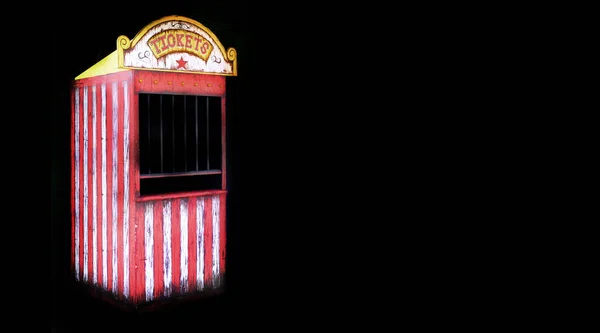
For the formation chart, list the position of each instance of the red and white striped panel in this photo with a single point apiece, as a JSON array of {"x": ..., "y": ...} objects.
[
  {"x": 101, "y": 189},
  {"x": 183, "y": 247},
  {"x": 137, "y": 250}
]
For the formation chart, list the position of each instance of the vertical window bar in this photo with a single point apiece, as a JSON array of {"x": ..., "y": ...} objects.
[
  {"x": 207, "y": 142},
  {"x": 184, "y": 134},
  {"x": 149, "y": 158},
  {"x": 196, "y": 119},
  {"x": 161, "y": 134},
  {"x": 173, "y": 128}
]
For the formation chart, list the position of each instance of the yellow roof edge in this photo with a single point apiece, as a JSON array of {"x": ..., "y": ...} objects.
[{"x": 110, "y": 64}]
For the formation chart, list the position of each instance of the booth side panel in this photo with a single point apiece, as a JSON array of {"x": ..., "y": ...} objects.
[{"x": 101, "y": 200}]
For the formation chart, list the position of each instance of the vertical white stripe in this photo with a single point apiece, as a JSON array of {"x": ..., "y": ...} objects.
[
  {"x": 215, "y": 240},
  {"x": 167, "y": 247},
  {"x": 126, "y": 192},
  {"x": 76, "y": 119},
  {"x": 85, "y": 183},
  {"x": 115, "y": 183},
  {"x": 149, "y": 253},
  {"x": 184, "y": 244},
  {"x": 104, "y": 209},
  {"x": 200, "y": 245},
  {"x": 94, "y": 192}
]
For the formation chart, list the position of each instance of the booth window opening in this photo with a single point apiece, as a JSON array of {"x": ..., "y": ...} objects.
[{"x": 180, "y": 143}]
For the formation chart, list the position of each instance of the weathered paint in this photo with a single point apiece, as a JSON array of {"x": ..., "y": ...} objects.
[
  {"x": 149, "y": 254},
  {"x": 141, "y": 247},
  {"x": 94, "y": 191},
  {"x": 126, "y": 235},
  {"x": 200, "y": 248},
  {"x": 215, "y": 240},
  {"x": 115, "y": 183},
  {"x": 167, "y": 232},
  {"x": 85, "y": 184},
  {"x": 176, "y": 241},
  {"x": 76, "y": 175},
  {"x": 109, "y": 193},
  {"x": 184, "y": 245},
  {"x": 98, "y": 187},
  {"x": 104, "y": 199},
  {"x": 184, "y": 50},
  {"x": 176, "y": 43},
  {"x": 103, "y": 222},
  {"x": 158, "y": 248},
  {"x": 191, "y": 244}
]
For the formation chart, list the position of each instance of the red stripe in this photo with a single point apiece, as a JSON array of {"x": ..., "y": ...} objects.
[
  {"x": 109, "y": 160},
  {"x": 73, "y": 120},
  {"x": 82, "y": 265},
  {"x": 158, "y": 249},
  {"x": 134, "y": 190},
  {"x": 208, "y": 241},
  {"x": 192, "y": 241},
  {"x": 223, "y": 159},
  {"x": 120, "y": 179},
  {"x": 134, "y": 158},
  {"x": 222, "y": 233},
  {"x": 99, "y": 182},
  {"x": 90, "y": 186},
  {"x": 175, "y": 244}
]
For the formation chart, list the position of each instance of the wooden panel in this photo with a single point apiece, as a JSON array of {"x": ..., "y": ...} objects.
[{"x": 179, "y": 83}]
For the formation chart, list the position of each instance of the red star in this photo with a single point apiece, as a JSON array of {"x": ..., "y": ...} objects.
[{"x": 181, "y": 63}]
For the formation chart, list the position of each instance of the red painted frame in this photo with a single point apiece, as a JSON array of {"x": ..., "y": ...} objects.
[{"x": 180, "y": 84}]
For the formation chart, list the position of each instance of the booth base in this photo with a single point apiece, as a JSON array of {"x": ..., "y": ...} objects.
[{"x": 148, "y": 306}]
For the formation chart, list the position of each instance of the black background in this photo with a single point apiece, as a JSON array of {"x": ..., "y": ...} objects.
[
  {"x": 279, "y": 148},
  {"x": 338, "y": 145}
]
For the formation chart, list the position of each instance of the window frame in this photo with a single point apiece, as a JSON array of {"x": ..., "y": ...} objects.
[{"x": 149, "y": 82}]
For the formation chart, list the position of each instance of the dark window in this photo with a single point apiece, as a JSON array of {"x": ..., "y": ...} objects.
[{"x": 180, "y": 143}]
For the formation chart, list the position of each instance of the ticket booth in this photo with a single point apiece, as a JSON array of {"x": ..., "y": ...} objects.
[{"x": 149, "y": 187}]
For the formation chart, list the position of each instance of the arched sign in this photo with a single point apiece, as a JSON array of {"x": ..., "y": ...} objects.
[{"x": 178, "y": 44}]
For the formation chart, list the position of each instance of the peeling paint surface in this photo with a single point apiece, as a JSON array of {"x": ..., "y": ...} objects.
[
  {"x": 104, "y": 199},
  {"x": 77, "y": 157},
  {"x": 168, "y": 281},
  {"x": 85, "y": 183},
  {"x": 149, "y": 250},
  {"x": 215, "y": 240},
  {"x": 184, "y": 242},
  {"x": 94, "y": 192},
  {"x": 137, "y": 249},
  {"x": 200, "y": 247},
  {"x": 167, "y": 236},
  {"x": 115, "y": 185},
  {"x": 125, "y": 191}
]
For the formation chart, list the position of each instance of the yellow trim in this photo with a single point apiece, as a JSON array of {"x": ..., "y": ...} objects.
[
  {"x": 105, "y": 66},
  {"x": 124, "y": 43}
]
